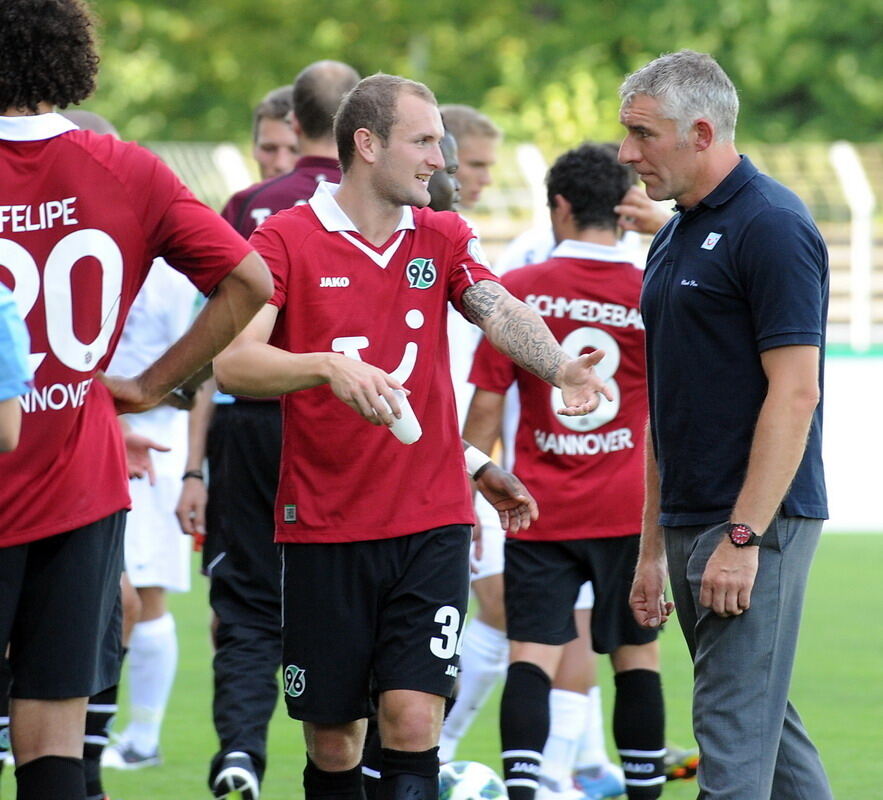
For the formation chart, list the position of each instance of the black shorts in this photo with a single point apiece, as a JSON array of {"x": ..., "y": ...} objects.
[
  {"x": 371, "y": 616},
  {"x": 543, "y": 579},
  {"x": 60, "y": 611}
]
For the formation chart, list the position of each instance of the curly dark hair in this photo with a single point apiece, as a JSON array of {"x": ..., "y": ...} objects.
[
  {"x": 593, "y": 181},
  {"x": 47, "y": 53}
]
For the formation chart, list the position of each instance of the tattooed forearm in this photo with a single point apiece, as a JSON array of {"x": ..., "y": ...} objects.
[
  {"x": 480, "y": 301},
  {"x": 514, "y": 329}
]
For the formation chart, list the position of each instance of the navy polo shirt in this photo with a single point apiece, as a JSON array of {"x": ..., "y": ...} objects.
[{"x": 743, "y": 271}]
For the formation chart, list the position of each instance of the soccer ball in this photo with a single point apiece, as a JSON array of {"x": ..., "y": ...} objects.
[{"x": 469, "y": 780}]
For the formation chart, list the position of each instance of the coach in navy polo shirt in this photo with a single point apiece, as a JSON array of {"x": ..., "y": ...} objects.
[{"x": 735, "y": 303}]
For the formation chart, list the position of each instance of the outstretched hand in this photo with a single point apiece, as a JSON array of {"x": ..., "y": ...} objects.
[
  {"x": 581, "y": 387},
  {"x": 507, "y": 494}
]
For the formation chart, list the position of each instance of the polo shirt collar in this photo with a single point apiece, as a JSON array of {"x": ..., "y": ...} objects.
[
  {"x": 743, "y": 172},
  {"x": 335, "y": 219},
  {"x": 34, "y": 128},
  {"x": 571, "y": 248}
]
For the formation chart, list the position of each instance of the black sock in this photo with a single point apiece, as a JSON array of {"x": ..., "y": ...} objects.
[
  {"x": 639, "y": 731},
  {"x": 371, "y": 760},
  {"x": 99, "y": 716},
  {"x": 346, "y": 785},
  {"x": 524, "y": 727},
  {"x": 55, "y": 777},
  {"x": 407, "y": 775}
]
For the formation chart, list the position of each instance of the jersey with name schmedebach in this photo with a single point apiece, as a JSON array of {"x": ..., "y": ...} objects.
[
  {"x": 586, "y": 472},
  {"x": 343, "y": 479}
]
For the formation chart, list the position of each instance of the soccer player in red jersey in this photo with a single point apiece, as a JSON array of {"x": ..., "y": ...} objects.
[
  {"x": 82, "y": 218},
  {"x": 243, "y": 439},
  {"x": 586, "y": 473},
  {"x": 375, "y": 533}
]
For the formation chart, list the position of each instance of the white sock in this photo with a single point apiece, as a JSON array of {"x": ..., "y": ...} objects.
[
  {"x": 592, "y": 751},
  {"x": 483, "y": 661},
  {"x": 153, "y": 659},
  {"x": 567, "y": 716}
]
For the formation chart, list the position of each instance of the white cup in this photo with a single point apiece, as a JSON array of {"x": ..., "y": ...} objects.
[{"x": 406, "y": 429}]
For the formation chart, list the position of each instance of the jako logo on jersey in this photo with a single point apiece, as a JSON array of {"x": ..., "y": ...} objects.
[
  {"x": 711, "y": 240},
  {"x": 421, "y": 273},
  {"x": 451, "y": 671},
  {"x": 330, "y": 281},
  {"x": 295, "y": 680}
]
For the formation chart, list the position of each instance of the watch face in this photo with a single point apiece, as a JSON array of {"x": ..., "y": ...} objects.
[{"x": 740, "y": 534}]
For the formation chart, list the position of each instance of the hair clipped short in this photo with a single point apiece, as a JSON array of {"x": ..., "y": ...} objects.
[
  {"x": 688, "y": 86},
  {"x": 371, "y": 104}
]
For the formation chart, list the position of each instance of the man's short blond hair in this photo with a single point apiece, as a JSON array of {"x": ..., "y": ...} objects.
[{"x": 464, "y": 121}]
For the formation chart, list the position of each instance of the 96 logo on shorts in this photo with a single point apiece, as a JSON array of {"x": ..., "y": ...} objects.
[{"x": 295, "y": 680}]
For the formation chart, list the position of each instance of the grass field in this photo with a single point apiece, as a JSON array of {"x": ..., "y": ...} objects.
[{"x": 838, "y": 688}]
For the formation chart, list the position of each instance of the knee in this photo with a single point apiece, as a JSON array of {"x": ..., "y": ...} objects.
[
  {"x": 411, "y": 722},
  {"x": 335, "y": 748}
]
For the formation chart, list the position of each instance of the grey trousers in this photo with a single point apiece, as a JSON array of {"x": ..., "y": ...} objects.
[{"x": 753, "y": 744}]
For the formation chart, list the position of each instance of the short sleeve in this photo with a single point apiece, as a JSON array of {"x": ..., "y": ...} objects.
[
  {"x": 491, "y": 370},
  {"x": 784, "y": 271},
  {"x": 15, "y": 345},
  {"x": 468, "y": 263},
  {"x": 180, "y": 228},
  {"x": 271, "y": 246}
]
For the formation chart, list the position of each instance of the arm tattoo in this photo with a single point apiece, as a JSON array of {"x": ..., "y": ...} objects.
[{"x": 514, "y": 329}]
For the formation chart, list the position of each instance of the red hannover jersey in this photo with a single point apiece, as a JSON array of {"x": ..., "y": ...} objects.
[
  {"x": 249, "y": 207},
  {"x": 343, "y": 479},
  {"x": 82, "y": 217},
  {"x": 586, "y": 473}
]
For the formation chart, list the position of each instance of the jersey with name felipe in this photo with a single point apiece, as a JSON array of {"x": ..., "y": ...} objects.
[
  {"x": 249, "y": 207},
  {"x": 586, "y": 473},
  {"x": 343, "y": 479},
  {"x": 82, "y": 217}
]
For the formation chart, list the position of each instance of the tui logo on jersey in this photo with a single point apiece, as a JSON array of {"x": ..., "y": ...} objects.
[
  {"x": 421, "y": 273},
  {"x": 295, "y": 680}
]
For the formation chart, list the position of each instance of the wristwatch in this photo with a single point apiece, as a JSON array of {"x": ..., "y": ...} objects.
[{"x": 741, "y": 535}]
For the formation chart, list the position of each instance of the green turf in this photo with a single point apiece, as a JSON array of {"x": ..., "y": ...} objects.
[{"x": 838, "y": 687}]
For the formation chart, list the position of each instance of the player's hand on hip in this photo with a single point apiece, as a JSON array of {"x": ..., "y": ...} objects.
[
  {"x": 130, "y": 395},
  {"x": 581, "y": 387},
  {"x": 364, "y": 388},
  {"x": 729, "y": 578},
  {"x": 507, "y": 494}
]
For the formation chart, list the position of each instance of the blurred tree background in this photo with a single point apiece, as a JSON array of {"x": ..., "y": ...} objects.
[{"x": 547, "y": 71}]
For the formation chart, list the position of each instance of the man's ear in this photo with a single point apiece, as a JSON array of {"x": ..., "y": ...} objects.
[
  {"x": 561, "y": 206},
  {"x": 703, "y": 132},
  {"x": 367, "y": 145},
  {"x": 296, "y": 126}
]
